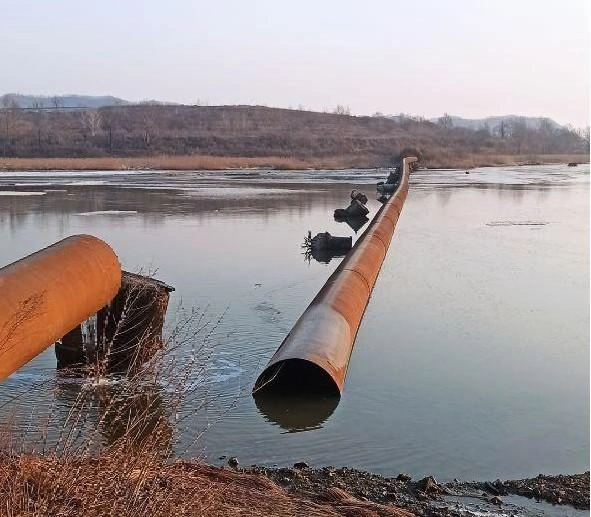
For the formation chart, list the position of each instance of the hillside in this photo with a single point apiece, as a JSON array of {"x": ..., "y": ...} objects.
[
  {"x": 257, "y": 131},
  {"x": 494, "y": 122},
  {"x": 60, "y": 101}
]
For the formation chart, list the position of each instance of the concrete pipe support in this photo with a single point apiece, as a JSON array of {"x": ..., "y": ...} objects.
[
  {"x": 314, "y": 356},
  {"x": 47, "y": 294}
]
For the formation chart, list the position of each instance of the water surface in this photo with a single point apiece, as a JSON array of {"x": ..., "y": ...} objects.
[{"x": 471, "y": 361}]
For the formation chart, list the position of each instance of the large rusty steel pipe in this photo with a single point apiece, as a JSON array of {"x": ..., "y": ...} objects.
[
  {"x": 315, "y": 354},
  {"x": 45, "y": 295}
]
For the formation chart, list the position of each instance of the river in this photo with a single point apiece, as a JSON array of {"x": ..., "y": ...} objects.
[{"x": 472, "y": 360}]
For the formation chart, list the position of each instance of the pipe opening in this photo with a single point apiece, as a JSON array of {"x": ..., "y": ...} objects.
[
  {"x": 296, "y": 413},
  {"x": 296, "y": 376}
]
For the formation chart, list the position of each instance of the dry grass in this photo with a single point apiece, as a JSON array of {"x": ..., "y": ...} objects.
[
  {"x": 441, "y": 159},
  {"x": 116, "y": 428},
  {"x": 120, "y": 484},
  {"x": 180, "y": 163}
]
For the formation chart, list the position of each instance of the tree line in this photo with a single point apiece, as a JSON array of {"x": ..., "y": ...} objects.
[{"x": 251, "y": 131}]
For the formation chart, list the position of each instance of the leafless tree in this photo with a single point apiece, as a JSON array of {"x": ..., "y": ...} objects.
[
  {"x": 92, "y": 121},
  {"x": 9, "y": 102},
  {"x": 342, "y": 110},
  {"x": 501, "y": 129},
  {"x": 519, "y": 133},
  {"x": 545, "y": 126},
  {"x": 150, "y": 127},
  {"x": 545, "y": 132},
  {"x": 57, "y": 102},
  {"x": 37, "y": 105},
  {"x": 583, "y": 134},
  {"x": 10, "y": 115},
  {"x": 446, "y": 121}
]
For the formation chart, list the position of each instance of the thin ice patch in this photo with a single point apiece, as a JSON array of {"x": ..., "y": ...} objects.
[
  {"x": 108, "y": 212},
  {"x": 20, "y": 193},
  {"x": 517, "y": 223}
]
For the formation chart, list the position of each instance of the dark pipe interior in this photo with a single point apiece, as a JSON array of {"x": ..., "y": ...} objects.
[
  {"x": 296, "y": 413},
  {"x": 296, "y": 376}
]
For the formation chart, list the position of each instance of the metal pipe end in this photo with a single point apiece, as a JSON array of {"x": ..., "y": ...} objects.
[{"x": 290, "y": 376}]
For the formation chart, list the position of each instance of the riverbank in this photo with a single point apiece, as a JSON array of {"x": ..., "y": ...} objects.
[
  {"x": 205, "y": 162},
  {"x": 124, "y": 484},
  {"x": 428, "y": 497}
]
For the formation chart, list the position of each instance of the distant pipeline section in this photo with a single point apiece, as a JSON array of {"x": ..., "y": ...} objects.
[
  {"x": 45, "y": 295},
  {"x": 314, "y": 357}
]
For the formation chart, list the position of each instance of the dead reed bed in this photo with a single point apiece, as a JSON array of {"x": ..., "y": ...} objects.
[
  {"x": 439, "y": 159},
  {"x": 175, "y": 163}
]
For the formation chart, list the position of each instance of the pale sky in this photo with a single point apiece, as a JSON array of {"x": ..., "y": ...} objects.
[{"x": 471, "y": 58}]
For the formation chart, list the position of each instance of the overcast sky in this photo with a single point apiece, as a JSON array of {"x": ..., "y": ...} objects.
[{"x": 471, "y": 58}]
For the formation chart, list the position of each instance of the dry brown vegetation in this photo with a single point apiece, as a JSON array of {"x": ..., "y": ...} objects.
[
  {"x": 177, "y": 163},
  {"x": 120, "y": 484},
  {"x": 199, "y": 162},
  {"x": 204, "y": 137}
]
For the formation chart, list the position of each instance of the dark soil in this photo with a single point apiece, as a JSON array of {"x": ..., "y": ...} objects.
[
  {"x": 426, "y": 496},
  {"x": 559, "y": 490}
]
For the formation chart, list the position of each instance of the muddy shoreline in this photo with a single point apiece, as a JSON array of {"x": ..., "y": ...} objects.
[
  {"x": 124, "y": 483},
  {"x": 427, "y": 496}
]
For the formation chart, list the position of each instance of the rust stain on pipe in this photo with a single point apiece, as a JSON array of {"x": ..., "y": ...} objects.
[
  {"x": 45, "y": 295},
  {"x": 315, "y": 354}
]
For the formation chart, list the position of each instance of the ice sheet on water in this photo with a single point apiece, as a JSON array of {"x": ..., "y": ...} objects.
[
  {"x": 86, "y": 183},
  {"x": 513, "y": 505},
  {"x": 523, "y": 175},
  {"x": 21, "y": 193},
  {"x": 108, "y": 212},
  {"x": 517, "y": 223}
]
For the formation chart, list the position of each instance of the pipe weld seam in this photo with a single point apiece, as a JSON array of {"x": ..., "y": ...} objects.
[
  {"x": 362, "y": 277},
  {"x": 386, "y": 246},
  {"x": 390, "y": 218}
]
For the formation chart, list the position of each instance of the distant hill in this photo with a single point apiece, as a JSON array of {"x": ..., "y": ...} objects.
[
  {"x": 151, "y": 129},
  {"x": 101, "y": 101},
  {"x": 492, "y": 122},
  {"x": 61, "y": 101}
]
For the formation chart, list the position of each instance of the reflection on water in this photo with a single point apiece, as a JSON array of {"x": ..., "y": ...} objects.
[
  {"x": 296, "y": 413},
  {"x": 355, "y": 223},
  {"x": 113, "y": 408},
  {"x": 471, "y": 360},
  {"x": 324, "y": 255}
]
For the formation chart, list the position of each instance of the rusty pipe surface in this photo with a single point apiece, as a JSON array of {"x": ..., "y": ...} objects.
[
  {"x": 45, "y": 295},
  {"x": 315, "y": 354}
]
